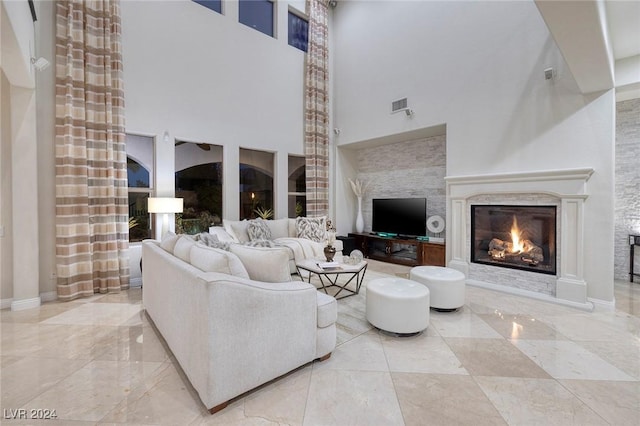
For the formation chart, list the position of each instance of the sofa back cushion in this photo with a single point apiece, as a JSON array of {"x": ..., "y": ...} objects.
[
  {"x": 169, "y": 240},
  {"x": 258, "y": 230},
  {"x": 237, "y": 229},
  {"x": 211, "y": 259},
  {"x": 312, "y": 228},
  {"x": 182, "y": 249},
  {"x": 220, "y": 233},
  {"x": 279, "y": 228},
  {"x": 264, "y": 264}
]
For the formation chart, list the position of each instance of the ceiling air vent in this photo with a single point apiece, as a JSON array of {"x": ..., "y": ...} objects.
[{"x": 399, "y": 105}]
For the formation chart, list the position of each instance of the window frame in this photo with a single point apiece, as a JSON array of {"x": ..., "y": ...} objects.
[
  {"x": 150, "y": 191},
  {"x": 203, "y": 3},
  {"x": 274, "y": 16},
  {"x": 295, "y": 194},
  {"x": 292, "y": 11}
]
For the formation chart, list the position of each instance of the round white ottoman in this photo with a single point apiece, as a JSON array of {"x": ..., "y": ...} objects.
[
  {"x": 398, "y": 305},
  {"x": 446, "y": 286}
]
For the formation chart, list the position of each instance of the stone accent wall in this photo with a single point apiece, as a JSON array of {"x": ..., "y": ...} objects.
[
  {"x": 403, "y": 170},
  {"x": 524, "y": 280},
  {"x": 627, "y": 178}
]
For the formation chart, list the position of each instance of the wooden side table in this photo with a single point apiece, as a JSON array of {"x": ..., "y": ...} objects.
[{"x": 634, "y": 240}]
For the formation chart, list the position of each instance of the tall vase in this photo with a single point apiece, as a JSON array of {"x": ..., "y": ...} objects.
[{"x": 359, "y": 218}]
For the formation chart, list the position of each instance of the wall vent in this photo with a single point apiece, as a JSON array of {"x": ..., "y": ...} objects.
[{"x": 399, "y": 105}]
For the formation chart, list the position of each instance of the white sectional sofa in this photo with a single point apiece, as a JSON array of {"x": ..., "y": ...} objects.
[
  {"x": 228, "y": 332},
  {"x": 305, "y": 237}
]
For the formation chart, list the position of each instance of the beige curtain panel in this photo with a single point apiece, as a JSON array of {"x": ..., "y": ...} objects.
[
  {"x": 92, "y": 231},
  {"x": 317, "y": 110}
]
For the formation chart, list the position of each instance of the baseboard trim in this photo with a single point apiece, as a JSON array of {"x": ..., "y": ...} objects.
[
  {"x": 20, "y": 305},
  {"x": 604, "y": 305},
  {"x": 49, "y": 296},
  {"x": 5, "y": 303}
]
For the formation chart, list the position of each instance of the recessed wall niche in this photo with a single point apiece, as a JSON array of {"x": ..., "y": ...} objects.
[{"x": 414, "y": 168}]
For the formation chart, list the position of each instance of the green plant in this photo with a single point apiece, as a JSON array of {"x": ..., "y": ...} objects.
[
  {"x": 299, "y": 208},
  {"x": 133, "y": 222},
  {"x": 264, "y": 213}
]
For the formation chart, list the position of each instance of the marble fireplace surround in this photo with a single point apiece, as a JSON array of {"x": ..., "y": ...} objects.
[{"x": 568, "y": 186}]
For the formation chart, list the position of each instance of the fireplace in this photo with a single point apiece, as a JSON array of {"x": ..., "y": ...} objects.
[
  {"x": 565, "y": 189},
  {"x": 514, "y": 236}
]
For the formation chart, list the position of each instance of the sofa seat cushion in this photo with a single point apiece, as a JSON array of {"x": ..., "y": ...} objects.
[
  {"x": 210, "y": 259},
  {"x": 266, "y": 264},
  {"x": 327, "y": 310}
]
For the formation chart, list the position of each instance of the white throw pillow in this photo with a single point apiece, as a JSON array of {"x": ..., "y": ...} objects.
[
  {"x": 279, "y": 228},
  {"x": 312, "y": 228},
  {"x": 237, "y": 229},
  {"x": 169, "y": 241},
  {"x": 264, "y": 264},
  {"x": 182, "y": 248},
  {"x": 208, "y": 259},
  {"x": 221, "y": 233},
  {"x": 234, "y": 265}
]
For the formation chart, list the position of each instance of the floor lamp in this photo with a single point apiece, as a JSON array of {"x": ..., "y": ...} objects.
[{"x": 164, "y": 206}]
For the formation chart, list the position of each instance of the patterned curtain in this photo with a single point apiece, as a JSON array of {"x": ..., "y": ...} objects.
[
  {"x": 317, "y": 110},
  {"x": 92, "y": 233}
]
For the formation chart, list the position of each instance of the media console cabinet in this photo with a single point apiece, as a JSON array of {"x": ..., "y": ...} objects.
[{"x": 408, "y": 252}]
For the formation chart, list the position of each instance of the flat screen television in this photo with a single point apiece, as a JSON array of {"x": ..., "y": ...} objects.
[{"x": 406, "y": 217}]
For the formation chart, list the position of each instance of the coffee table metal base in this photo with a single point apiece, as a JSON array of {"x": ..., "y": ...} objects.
[{"x": 329, "y": 279}]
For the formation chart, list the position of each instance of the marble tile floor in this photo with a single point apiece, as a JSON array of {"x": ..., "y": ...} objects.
[{"x": 499, "y": 360}]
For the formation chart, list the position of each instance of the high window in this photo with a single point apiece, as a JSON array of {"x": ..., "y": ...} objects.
[
  {"x": 215, "y": 5},
  {"x": 297, "y": 187},
  {"x": 256, "y": 184},
  {"x": 298, "y": 32},
  {"x": 258, "y": 14},
  {"x": 140, "y": 176},
  {"x": 198, "y": 181}
]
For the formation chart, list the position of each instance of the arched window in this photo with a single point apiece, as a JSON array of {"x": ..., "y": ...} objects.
[
  {"x": 198, "y": 181},
  {"x": 140, "y": 176}
]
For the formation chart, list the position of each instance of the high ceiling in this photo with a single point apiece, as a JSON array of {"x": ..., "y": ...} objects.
[
  {"x": 623, "y": 20},
  {"x": 600, "y": 41}
]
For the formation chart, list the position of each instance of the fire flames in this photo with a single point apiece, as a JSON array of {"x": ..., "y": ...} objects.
[
  {"x": 518, "y": 249},
  {"x": 517, "y": 245}
]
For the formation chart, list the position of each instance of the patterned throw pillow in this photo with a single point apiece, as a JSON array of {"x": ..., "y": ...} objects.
[
  {"x": 312, "y": 228},
  {"x": 212, "y": 241},
  {"x": 258, "y": 230}
]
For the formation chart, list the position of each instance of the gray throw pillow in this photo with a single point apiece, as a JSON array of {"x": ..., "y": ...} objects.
[
  {"x": 211, "y": 240},
  {"x": 258, "y": 230}
]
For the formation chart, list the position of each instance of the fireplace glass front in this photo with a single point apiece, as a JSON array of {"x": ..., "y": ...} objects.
[{"x": 513, "y": 236}]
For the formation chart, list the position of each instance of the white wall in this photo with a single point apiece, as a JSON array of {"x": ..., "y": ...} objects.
[
  {"x": 45, "y": 113},
  {"x": 204, "y": 77},
  {"x": 6, "y": 206},
  {"x": 478, "y": 67}
]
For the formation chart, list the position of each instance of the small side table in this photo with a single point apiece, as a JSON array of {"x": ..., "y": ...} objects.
[{"x": 634, "y": 240}]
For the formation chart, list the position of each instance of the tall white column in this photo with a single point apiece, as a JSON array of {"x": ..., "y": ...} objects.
[
  {"x": 457, "y": 236},
  {"x": 24, "y": 188},
  {"x": 571, "y": 284}
]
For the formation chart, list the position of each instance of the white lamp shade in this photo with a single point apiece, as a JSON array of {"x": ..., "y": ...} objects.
[{"x": 164, "y": 205}]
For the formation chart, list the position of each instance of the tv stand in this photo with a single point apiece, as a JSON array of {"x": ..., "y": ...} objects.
[{"x": 410, "y": 251}]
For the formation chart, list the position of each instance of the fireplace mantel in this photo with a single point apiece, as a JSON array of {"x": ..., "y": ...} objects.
[{"x": 568, "y": 185}]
